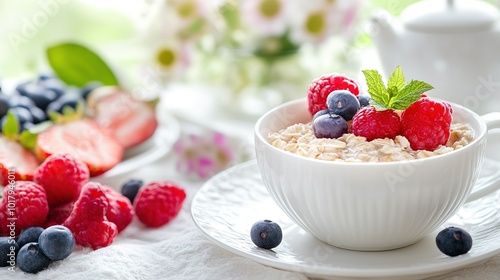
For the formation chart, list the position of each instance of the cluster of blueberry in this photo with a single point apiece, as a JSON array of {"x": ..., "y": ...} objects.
[
  {"x": 342, "y": 106},
  {"x": 36, "y": 248},
  {"x": 31, "y": 101}
]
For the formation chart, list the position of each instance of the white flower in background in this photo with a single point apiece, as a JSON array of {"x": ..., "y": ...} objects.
[
  {"x": 265, "y": 17},
  {"x": 163, "y": 62},
  {"x": 172, "y": 57},
  {"x": 317, "y": 20},
  {"x": 176, "y": 19}
]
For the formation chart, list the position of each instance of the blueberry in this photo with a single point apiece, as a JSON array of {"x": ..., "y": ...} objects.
[
  {"x": 4, "y": 105},
  {"x": 40, "y": 96},
  {"x": 453, "y": 241},
  {"x": 31, "y": 259},
  {"x": 8, "y": 251},
  {"x": 26, "y": 126},
  {"x": 38, "y": 115},
  {"x": 329, "y": 126},
  {"x": 130, "y": 188},
  {"x": 46, "y": 76},
  {"x": 21, "y": 87},
  {"x": 320, "y": 113},
  {"x": 88, "y": 88},
  {"x": 29, "y": 235},
  {"x": 57, "y": 242},
  {"x": 22, "y": 114},
  {"x": 68, "y": 99},
  {"x": 364, "y": 100},
  {"x": 266, "y": 234},
  {"x": 53, "y": 84},
  {"x": 20, "y": 101},
  {"x": 343, "y": 103}
]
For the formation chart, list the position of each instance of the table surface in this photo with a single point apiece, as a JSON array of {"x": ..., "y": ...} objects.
[{"x": 179, "y": 250}]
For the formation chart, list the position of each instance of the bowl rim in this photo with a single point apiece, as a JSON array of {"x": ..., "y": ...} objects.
[{"x": 477, "y": 138}]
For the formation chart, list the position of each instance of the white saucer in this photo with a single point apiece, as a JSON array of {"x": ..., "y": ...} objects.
[
  {"x": 157, "y": 146},
  {"x": 229, "y": 203}
]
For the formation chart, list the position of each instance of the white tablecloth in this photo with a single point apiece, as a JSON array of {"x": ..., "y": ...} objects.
[{"x": 180, "y": 251}]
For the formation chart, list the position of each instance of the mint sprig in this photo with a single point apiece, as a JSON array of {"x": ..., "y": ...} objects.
[{"x": 397, "y": 95}]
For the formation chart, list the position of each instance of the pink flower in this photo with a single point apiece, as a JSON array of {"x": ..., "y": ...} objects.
[{"x": 203, "y": 155}]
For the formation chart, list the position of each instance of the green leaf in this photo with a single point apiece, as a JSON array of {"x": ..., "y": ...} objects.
[
  {"x": 29, "y": 136},
  {"x": 28, "y": 139},
  {"x": 397, "y": 79},
  {"x": 409, "y": 94},
  {"x": 77, "y": 65},
  {"x": 393, "y": 92},
  {"x": 376, "y": 87},
  {"x": 11, "y": 126}
]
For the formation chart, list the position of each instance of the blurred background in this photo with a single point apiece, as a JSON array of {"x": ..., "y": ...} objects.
[
  {"x": 245, "y": 55},
  {"x": 220, "y": 43}
]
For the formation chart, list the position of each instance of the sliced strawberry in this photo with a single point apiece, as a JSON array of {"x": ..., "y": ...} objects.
[
  {"x": 83, "y": 139},
  {"x": 21, "y": 161},
  {"x": 130, "y": 120}
]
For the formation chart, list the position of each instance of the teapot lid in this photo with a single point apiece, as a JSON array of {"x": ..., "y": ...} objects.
[{"x": 445, "y": 16}]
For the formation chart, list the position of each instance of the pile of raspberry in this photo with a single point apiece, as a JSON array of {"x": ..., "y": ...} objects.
[
  {"x": 425, "y": 123},
  {"x": 61, "y": 193}
]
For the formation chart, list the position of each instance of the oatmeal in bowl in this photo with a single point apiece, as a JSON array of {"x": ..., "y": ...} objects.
[
  {"x": 362, "y": 185},
  {"x": 300, "y": 139}
]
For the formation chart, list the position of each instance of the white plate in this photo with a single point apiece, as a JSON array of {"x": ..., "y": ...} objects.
[
  {"x": 157, "y": 146},
  {"x": 230, "y": 202}
]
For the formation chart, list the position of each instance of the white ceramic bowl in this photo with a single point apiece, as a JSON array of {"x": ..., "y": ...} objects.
[{"x": 368, "y": 206}]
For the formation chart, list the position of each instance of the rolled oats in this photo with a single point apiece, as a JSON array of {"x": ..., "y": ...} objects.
[{"x": 299, "y": 139}]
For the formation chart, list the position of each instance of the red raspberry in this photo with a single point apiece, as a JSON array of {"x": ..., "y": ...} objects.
[
  {"x": 62, "y": 176},
  {"x": 121, "y": 211},
  {"x": 426, "y": 123},
  {"x": 59, "y": 214},
  {"x": 88, "y": 220},
  {"x": 372, "y": 124},
  {"x": 320, "y": 88},
  {"x": 25, "y": 201},
  {"x": 4, "y": 231},
  {"x": 158, "y": 203}
]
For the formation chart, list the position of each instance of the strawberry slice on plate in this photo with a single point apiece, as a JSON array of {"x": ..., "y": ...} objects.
[
  {"x": 85, "y": 140},
  {"x": 131, "y": 121},
  {"x": 14, "y": 157}
]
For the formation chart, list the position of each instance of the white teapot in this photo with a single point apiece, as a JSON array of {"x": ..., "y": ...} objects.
[{"x": 452, "y": 44}]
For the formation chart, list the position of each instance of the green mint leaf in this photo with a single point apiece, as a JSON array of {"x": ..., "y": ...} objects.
[
  {"x": 11, "y": 126},
  {"x": 376, "y": 87},
  {"x": 77, "y": 65},
  {"x": 397, "y": 79},
  {"x": 393, "y": 92},
  {"x": 409, "y": 94}
]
